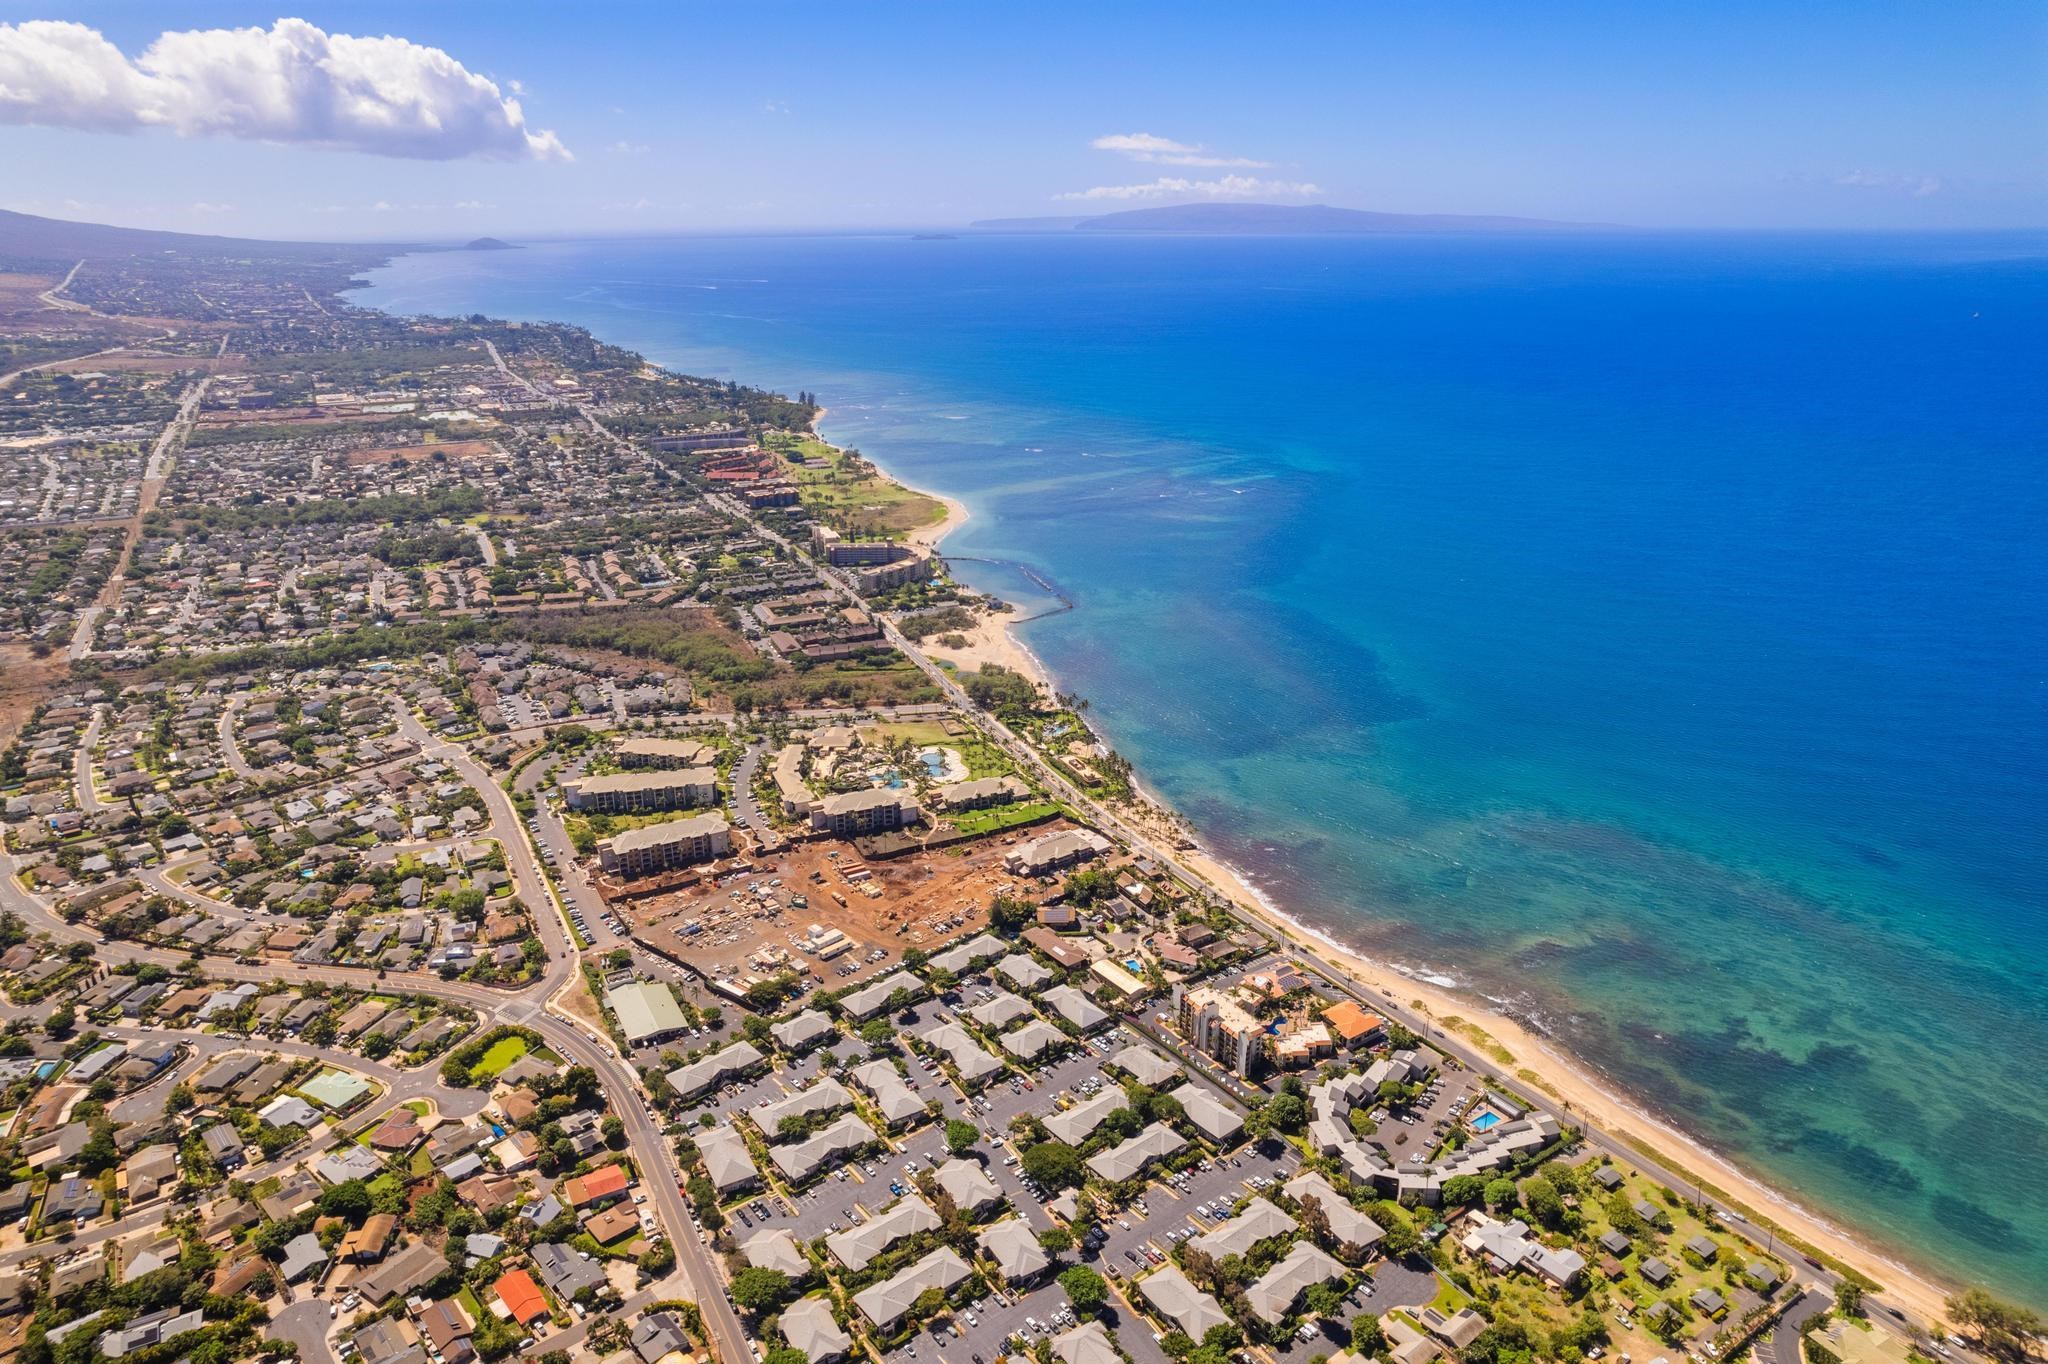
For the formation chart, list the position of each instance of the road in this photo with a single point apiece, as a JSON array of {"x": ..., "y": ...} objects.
[
  {"x": 154, "y": 476},
  {"x": 697, "y": 1276},
  {"x": 1141, "y": 844},
  {"x": 81, "y": 764}
]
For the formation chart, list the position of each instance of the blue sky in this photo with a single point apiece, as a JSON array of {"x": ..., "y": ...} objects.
[{"x": 648, "y": 118}]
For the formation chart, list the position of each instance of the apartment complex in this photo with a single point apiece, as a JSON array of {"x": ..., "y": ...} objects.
[
  {"x": 666, "y": 846},
  {"x": 627, "y": 793},
  {"x": 1219, "y": 1026},
  {"x": 865, "y": 812}
]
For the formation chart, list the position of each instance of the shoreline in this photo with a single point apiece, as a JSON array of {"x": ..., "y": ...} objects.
[{"x": 1592, "y": 1100}]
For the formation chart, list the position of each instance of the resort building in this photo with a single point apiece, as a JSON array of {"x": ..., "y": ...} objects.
[
  {"x": 1056, "y": 852},
  {"x": 628, "y": 793},
  {"x": 854, "y": 813},
  {"x": 664, "y": 847},
  {"x": 980, "y": 793},
  {"x": 646, "y": 752}
]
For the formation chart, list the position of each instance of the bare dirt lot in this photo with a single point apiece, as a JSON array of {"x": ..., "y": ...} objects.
[{"x": 741, "y": 925}]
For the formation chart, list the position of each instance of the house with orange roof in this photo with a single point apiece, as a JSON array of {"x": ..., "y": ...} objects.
[
  {"x": 601, "y": 1185},
  {"x": 521, "y": 1296}
]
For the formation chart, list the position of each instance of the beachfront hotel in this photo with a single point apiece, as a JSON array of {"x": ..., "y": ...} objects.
[{"x": 1219, "y": 1026}]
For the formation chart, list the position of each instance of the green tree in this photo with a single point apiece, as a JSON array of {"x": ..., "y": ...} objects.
[
  {"x": 2005, "y": 1331},
  {"x": 759, "y": 1290},
  {"x": 1543, "y": 1201},
  {"x": 1500, "y": 1194},
  {"x": 1053, "y": 1164},
  {"x": 961, "y": 1136},
  {"x": 1085, "y": 1289}
]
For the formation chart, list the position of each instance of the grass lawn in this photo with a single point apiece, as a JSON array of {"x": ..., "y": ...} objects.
[
  {"x": 922, "y": 733},
  {"x": 502, "y": 1053},
  {"x": 851, "y": 497},
  {"x": 1449, "y": 1297},
  {"x": 996, "y": 818}
]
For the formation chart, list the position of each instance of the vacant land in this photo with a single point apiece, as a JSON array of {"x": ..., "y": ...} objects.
[{"x": 849, "y": 494}]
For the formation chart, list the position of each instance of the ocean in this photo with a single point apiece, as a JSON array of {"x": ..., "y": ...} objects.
[{"x": 1645, "y": 632}]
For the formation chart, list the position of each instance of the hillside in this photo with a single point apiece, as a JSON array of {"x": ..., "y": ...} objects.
[{"x": 26, "y": 237}]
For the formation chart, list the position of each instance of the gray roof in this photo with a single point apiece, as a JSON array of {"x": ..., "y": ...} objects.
[
  {"x": 1000, "y": 1012},
  {"x": 1087, "y": 1343},
  {"x": 1023, "y": 971},
  {"x": 563, "y": 1270},
  {"x": 302, "y": 1254},
  {"x": 1137, "y": 1155},
  {"x": 806, "y": 1029},
  {"x": 825, "y": 1096},
  {"x": 1033, "y": 1040},
  {"x": 1015, "y": 1249},
  {"x": 1075, "y": 1007},
  {"x": 1147, "y": 1066},
  {"x": 727, "y": 1160},
  {"x": 1258, "y": 1222},
  {"x": 871, "y": 998},
  {"x": 968, "y": 1185},
  {"x": 804, "y": 1159},
  {"x": 1212, "y": 1117},
  {"x": 1273, "y": 1296},
  {"x": 857, "y": 1247},
  {"x": 1074, "y": 1126},
  {"x": 896, "y": 1099},
  {"x": 809, "y": 1326},
  {"x": 1181, "y": 1303},
  {"x": 887, "y": 1302},
  {"x": 708, "y": 1072},
  {"x": 963, "y": 956},
  {"x": 776, "y": 1249},
  {"x": 1347, "y": 1223},
  {"x": 967, "y": 1054}
]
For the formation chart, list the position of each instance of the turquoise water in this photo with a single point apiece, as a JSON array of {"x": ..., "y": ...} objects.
[
  {"x": 1485, "y": 1122},
  {"x": 1644, "y": 633}
]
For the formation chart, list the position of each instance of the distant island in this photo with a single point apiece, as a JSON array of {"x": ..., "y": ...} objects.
[
  {"x": 1280, "y": 219},
  {"x": 489, "y": 244}
]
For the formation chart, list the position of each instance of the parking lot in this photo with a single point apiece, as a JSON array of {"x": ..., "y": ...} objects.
[
  {"x": 1033, "y": 1314},
  {"x": 1138, "y": 1234}
]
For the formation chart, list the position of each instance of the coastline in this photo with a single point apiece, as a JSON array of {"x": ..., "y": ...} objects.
[{"x": 1536, "y": 1060}]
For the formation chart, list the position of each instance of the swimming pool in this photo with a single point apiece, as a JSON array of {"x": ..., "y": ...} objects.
[{"x": 1485, "y": 1122}]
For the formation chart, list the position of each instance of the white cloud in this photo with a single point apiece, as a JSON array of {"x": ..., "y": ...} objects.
[
  {"x": 1919, "y": 186},
  {"x": 1227, "y": 187},
  {"x": 1164, "y": 151},
  {"x": 290, "y": 83},
  {"x": 204, "y": 207}
]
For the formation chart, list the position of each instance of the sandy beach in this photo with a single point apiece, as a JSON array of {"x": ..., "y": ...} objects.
[{"x": 1588, "y": 1100}]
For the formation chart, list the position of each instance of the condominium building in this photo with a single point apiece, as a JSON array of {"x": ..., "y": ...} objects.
[
  {"x": 865, "y": 812},
  {"x": 1219, "y": 1026},
  {"x": 625, "y": 793},
  {"x": 666, "y": 846}
]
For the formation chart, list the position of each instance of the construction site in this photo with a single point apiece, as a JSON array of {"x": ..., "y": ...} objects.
[{"x": 817, "y": 908}]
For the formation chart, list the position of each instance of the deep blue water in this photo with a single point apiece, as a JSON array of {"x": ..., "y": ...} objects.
[{"x": 1645, "y": 631}]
